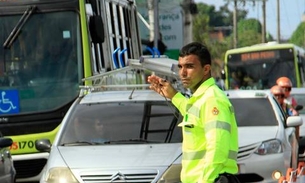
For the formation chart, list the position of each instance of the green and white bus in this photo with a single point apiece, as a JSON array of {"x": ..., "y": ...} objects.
[
  {"x": 259, "y": 66},
  {"x": 47, "y": 47}
]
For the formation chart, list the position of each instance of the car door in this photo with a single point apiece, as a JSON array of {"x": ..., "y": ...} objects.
[{"x": 288, "y": 137}]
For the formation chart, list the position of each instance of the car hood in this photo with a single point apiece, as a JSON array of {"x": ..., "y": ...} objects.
[
  {"x": 251, "y": 135},
  {"x": 109, "y": 156}
]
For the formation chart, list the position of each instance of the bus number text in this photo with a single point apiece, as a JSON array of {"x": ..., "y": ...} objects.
[{"x": 22, "y": 145}]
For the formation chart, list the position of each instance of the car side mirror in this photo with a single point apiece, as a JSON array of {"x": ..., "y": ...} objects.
[{"x": 294, "y": 121}]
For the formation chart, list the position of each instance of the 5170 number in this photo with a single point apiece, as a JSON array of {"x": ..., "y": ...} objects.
[{"x": 22, "y": 145}]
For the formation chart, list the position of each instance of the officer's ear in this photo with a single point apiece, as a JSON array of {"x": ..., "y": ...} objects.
[{"x": 207, "y": 69}]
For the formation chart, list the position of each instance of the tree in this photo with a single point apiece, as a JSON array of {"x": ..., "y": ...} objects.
[
  {"x": 249, "y": 32},
  {"x": 298, "y": 36}
]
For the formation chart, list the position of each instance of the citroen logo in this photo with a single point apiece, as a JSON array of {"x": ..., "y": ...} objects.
[{"x": 118, "y": 176}]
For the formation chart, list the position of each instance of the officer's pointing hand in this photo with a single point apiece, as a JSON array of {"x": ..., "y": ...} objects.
[{"x": 161, "y": 86}]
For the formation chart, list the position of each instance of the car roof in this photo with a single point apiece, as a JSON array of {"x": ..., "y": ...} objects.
[
  {"x": 122, "y": 96},
  {"x": 149, "y": 95},
  {"x": 248, "y": 93}
]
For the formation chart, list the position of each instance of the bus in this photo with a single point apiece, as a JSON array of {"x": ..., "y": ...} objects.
[
  {"x": 259, "y": 66},
  {"x": 47, "y": 47}
]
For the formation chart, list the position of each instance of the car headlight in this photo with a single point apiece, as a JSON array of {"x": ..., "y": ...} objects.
[
  {"x": 60, "y": 175},
  {"x": 269, "y": 147},
  {"x": 171, "y": 175}
]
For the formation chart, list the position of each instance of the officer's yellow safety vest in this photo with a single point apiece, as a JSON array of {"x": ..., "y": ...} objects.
[{"x": 210, "y": 138}]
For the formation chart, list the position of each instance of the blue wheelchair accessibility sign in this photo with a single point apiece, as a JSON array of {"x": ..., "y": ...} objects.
[{"x": 9, "y": 102}]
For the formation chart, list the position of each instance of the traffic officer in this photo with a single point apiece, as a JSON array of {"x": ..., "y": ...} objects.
[{"x": 210, "y": 140}]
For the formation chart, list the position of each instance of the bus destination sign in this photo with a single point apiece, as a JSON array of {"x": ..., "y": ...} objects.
[{"x": 257, "y": 55}]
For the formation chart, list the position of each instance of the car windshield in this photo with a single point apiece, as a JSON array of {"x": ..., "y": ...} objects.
[
  {"x": 130, "y": 122},
  {"x": 248, "y": 112}
]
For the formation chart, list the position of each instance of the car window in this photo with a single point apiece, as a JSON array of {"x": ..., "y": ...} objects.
[
  {"x": 253, "y": 112},
  {"x": 121, "y": 122}
]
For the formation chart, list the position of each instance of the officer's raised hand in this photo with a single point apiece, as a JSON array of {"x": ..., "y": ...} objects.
[{"x": 161, "y": 86}]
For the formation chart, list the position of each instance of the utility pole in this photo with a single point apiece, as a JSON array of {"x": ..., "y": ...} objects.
[
  {"x": 264, "y": 22},
  {"x": 278, "y": 21},
  {"x": 235, "y": 40},
  {"x": 156, "y": 25},
  {"x": 153, "y": 14},
  {"x": 187, "y": 22}
]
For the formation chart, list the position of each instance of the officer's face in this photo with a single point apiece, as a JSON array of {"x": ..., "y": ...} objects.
[{"x": 191, "y": 72}]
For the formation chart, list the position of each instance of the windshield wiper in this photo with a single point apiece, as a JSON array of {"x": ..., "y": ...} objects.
[
  {"x": 15, "y": 32},
  {"x": 80, "y": 143},
  {"x": 130, "y": 141}
]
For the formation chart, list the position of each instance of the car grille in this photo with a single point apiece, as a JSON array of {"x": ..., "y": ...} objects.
[
  {"x": 29, "y": 168},
  {"x": 246, "y": 151},
  {"x": 138, "y": 176}
]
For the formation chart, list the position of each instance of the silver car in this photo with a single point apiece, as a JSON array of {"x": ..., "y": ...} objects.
[
  {"x": 267, "y": 138},
  {"x": 116, "y": 136}
]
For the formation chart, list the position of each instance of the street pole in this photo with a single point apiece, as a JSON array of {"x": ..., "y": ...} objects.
[
  {"x": 278, "y": 21},
  {"x": 151, "y": 19},
  {"x": 187, "y": 22},
  {"x": 235, "y": 24},
  {"x": 264, "y": 22},
  {"x": 156, "y": 25}
]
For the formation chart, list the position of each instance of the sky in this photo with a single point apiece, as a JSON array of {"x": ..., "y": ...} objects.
[{"x": 291, "y": 12}]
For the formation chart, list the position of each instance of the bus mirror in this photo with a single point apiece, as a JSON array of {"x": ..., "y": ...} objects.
[{"x": 96, "y": 29}]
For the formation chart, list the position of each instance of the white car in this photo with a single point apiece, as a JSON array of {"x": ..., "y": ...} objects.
[
  {"x": 138, "y": 139},
  {"x": 267, "y": 139},
  {"x": 116, "y": 136}
]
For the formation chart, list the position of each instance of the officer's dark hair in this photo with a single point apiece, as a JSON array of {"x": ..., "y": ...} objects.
[{"x": 196, "y": 48}]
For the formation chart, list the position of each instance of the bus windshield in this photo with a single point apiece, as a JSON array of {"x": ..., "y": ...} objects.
[
  {"x": 40, "y": 70},
  {"x": 260, "y": 69}
]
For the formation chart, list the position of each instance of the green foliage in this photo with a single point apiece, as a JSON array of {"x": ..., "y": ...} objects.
[
  {"x": 298, "y": 36},
  {"x": 249, "y": 37},
  {"x": 249, "y": 24},
  {"x": 207, "y": 19},
  {"x": 200, "y": 27},
  {"x": 249, "y": 32}
]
